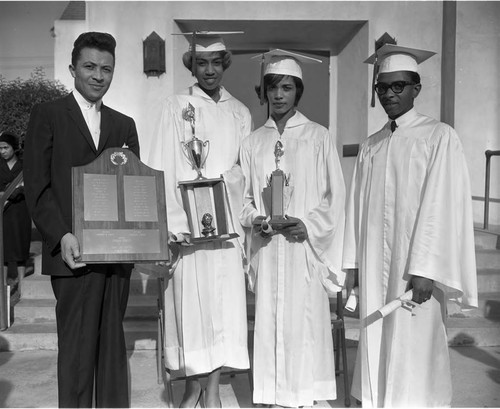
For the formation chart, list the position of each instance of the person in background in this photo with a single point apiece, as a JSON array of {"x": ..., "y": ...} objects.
[
  {"x": 16, "y": 219},
  {"x": 205, "y": 299},
  {"x": 91, "y": 299},
  {"x": 293, "y": 270},
  {"x": 409, "y": 227}
]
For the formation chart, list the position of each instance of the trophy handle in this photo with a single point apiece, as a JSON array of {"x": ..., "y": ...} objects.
[
  {"x": 185, "y": 150},
  {"x": 207, "y": 145}
]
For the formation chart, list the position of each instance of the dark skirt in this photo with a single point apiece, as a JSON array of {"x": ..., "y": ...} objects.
[{"x": 17, "y": 232}]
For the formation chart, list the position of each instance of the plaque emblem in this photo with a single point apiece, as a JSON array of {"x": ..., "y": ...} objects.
[{"x": 118, "y": 158}]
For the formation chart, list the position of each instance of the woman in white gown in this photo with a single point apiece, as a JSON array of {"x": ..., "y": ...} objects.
[
  {"x": 205, "y": 304},
  {"x": 293, "y": 270}
]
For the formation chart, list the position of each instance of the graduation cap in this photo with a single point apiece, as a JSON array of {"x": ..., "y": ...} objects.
[
  {"x": 389, "y": 57},
  {"x": 205, "y": 41},
  {"x": 281, "y": 62}
]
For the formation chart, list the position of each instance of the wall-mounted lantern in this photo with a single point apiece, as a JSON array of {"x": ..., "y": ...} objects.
[{"x": 154, "y": 55}]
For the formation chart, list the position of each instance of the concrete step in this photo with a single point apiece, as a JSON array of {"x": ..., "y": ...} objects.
[
  {"x": 42, "y": 310},
  {"x": 139, "y": 335},
  {"x": 489, "y": 307},
  {"x": 488, "y": 259},
  {"x": 477, "y": 331},
  {"x": 38, "y": 286},
  {"x": 488, "y": 280},
  {"x": 486, "y": 239}
]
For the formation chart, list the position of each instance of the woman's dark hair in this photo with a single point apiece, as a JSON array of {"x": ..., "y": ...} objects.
[
  {"x": 93, "y": 39},
  {"x": 273, "y": 79},
  {"x": 11, "y": 139},
  {"x": 225, "y": 55}
]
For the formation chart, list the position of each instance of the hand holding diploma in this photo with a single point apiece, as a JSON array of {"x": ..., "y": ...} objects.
[{"x": 402, "y": 301}]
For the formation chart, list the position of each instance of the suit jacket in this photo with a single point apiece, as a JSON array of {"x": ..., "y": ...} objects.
[{"x": 58, "y": 139}]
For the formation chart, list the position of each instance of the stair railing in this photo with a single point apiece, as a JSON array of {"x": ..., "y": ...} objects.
[
  {"x": 488, "y": 154},
  {"x": 4, "y": 297}
]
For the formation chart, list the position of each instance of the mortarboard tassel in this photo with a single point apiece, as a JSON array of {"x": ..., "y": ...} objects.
[
  {"x": 262, "y": 90},
  {"x": 193, "y": 53},
  {"x": 375, "y": 73}
]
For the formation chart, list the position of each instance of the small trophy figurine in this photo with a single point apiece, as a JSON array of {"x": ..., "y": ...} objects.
[
  {"x": 195, "y": 150},
  {"x": 278, "y": 192},
  {"x": 206, "y": 221}
]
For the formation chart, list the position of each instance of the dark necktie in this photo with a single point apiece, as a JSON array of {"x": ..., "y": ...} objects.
[{"x": 394, "y": 125}]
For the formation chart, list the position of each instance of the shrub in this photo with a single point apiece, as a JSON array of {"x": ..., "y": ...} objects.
[{"x": 17, "y": 98}]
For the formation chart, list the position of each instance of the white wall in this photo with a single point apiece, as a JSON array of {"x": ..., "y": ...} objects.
[
  {"x": 352, "y": 96},
  {"x": 25, "y": 38},
  {"x": 477, "y": 117},
  {"x": 413, "y": 23}
]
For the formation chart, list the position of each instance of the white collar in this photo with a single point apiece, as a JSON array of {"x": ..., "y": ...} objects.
[
  {"x": 83, "y": 103},
  {"x": 296, "y": 120},
  {"x": 405, "y": 118},
  {"x": 224, "y": 94}
]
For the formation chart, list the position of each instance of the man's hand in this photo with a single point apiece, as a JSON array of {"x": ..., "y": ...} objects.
[
  {"x": 70, "y": 251},
  {"x": 296, "y": 233},
  {"x": 422, "y": 288}
]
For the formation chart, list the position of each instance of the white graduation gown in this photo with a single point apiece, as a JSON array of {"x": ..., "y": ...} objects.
[
  {"x": 293, "y": 351},
  {"x": 205, "y": 301},
  {"x": 409, "y": 213}
]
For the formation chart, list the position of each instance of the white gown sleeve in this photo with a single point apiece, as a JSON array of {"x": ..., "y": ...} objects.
[
  {"x": 166, "y": 154},
  {"x": 325, "y": 222},
  {"x": 443, "y": 245}
]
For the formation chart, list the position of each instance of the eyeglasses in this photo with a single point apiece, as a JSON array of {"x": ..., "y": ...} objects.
[{"x": 397, "y": 87}]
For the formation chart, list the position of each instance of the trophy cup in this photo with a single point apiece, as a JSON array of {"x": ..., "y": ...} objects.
[
  {"x": 195, "y": 150},
  {"x": 203, "y": 199},
  {"x": 277, "y": 194}
]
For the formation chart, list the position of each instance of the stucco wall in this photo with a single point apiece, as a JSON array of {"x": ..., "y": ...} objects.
[
  {"x": 417, "y": 24},
  {"x": 25, "y": 37},
  {"x": 477, "y": 118}
]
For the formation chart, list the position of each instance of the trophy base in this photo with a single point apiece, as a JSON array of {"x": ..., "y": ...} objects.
[
  {"x": 204, "y": 203},
  {"x": 215, "y": 237},
  {"x": 278, "y": 223}
]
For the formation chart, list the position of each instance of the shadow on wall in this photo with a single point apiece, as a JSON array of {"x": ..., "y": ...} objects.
[{"x": 6, "y": 386}]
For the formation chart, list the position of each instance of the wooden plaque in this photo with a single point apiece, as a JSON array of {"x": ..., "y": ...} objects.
[
  {"x": 205, "y": 205},
  {"x": 119, "y": 210}
]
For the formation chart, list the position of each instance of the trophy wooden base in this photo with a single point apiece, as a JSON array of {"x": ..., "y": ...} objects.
[
  {"x": 205, "y": 205},
  {"x": 220, "y": 237},
  {"x": 279, "y": 223}
]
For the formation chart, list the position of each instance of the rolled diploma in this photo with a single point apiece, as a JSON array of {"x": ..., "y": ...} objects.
[
  {"x": 352, "y": 300},
  {"x": 397, "y": 303}
]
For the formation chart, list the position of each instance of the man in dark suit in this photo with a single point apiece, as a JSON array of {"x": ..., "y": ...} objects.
[{"x": 91, "y": 299}]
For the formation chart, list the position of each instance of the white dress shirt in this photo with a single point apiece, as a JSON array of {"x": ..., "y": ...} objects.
[{"x": 92, "y": 114}]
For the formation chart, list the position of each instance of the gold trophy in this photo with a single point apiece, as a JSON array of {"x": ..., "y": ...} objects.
[
  {"x": 278, "y": 192},
  {"x": 203, "y": 199}
]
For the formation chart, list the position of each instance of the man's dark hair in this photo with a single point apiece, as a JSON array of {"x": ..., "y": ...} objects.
[
  {"x": 187, "y": 59},
  {"x": 414, "y": 76},
  {"x": 273, "y": 79},
  {"x": 93, "y": 39}
]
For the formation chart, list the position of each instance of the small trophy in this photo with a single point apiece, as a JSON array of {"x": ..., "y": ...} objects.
[
  {"x": 203, "y": 199},
  {"x": 195, "y": 150},
  {"x": 277, "y": 194}
]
